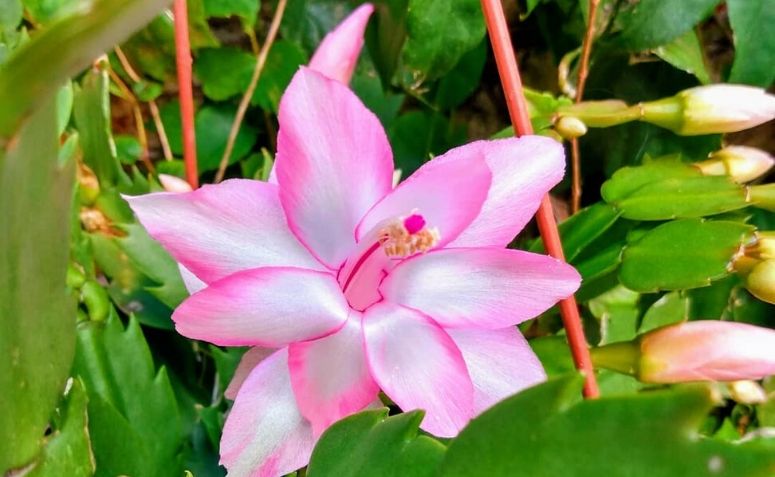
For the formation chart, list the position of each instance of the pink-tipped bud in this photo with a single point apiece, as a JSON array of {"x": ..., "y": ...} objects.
[
  {"x": 174, "y": 184},
  {"x": 337, "y": 54},
  {"x": 741, "y": 163},
  {"x": 707, "y": 351},
  {"x": 712, "y": 109}
]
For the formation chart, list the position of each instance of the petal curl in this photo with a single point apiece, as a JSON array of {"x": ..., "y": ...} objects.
[
  {"x": 486, "y": 288},
  {"x": 337, "y": 54},
  {"x": 265, "y": 435},
  {"x": 220, "y": 229},
  {"x": 418, "y": 366},
  {"x": 330, "y": 376},
  {"x": 500, "y": 363},
  {"x": 249, "y": 361},
  {"x": 333, "y": 163},
  {"x": 448, "y": 194},
  {"x": 523, "y": 170},
  {"x": 269, "y": 307}
]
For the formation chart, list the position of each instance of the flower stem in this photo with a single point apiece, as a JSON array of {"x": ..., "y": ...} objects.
[
  {"x": 185, "y": 90},
  {"x": 517, "y": 105}
]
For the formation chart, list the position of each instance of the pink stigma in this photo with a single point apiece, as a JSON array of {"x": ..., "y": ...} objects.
[{"x": 414, "y": 223}]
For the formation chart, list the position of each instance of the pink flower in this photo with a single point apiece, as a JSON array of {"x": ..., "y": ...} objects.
[
  {"x": 707, "y": 351},
  {"x": 345, "y": 285}
]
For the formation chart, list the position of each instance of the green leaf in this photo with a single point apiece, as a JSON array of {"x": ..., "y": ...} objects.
[
  {"x": 37, "y": 313},
  {"x": 133, "y": 416},
  {"x": 44, "y": 11},
  {"x": 67, "y": 450},
  {"x": 29, "y": 77},
  {"x": 212, "y": 63},
  {"x": 282, "y": 62},
  {"x": 618, "y": 312},
  {"x": 200, "y": 35},
  {"x": 662, "y": 190},
  {"x": 371, "y": 443},
  {"x": 685, "y": 53},
  {"x": 212, "y": 125},
  {"x": 651, "y": 23},
  {"x": 547, "y": 431},
  {"x": 153, "y": 261},
  {"x": 11, "y": 13},
  {"x": 385, "y": 39},
  {"x": 671, "y": 308},
  {"x": 440, "y": 32},
  {"x": 687, "y": 253},
  {"x": 581, "y": 229},
  {"x": 247, "y": 10},
  {"x": 64, "y": 102},
  {"x": 753, "y": 28},
  {"x": 128, "y": 149},
  {"x": 384, "y": 104},
  {"x": 416, "y": 135},
  {"x": 92, "y": 116},
  {"x": 226, "y": 362},
  {"x": 457, "y": 85}
]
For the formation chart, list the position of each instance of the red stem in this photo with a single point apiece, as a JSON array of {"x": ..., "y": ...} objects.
[
  {"x": 185, "y": 90},
  {"x": 520, "y": 118}
]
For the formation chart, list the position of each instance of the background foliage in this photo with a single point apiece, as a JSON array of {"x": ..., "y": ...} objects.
[{"x": 95, "y": 380}]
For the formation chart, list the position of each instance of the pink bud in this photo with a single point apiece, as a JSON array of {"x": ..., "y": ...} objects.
[
  {"x": 174, "y": 184},
  {"x": 707, "y": 351},
  {"x": 337, "y": 54}
]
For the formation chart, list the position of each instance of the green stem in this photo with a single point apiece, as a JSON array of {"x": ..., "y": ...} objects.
[{"x": 621, "y": 357}]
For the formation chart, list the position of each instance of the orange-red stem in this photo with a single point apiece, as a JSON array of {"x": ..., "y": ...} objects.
[
  {"x": 185, "y": 90},
  {"x": 520, "y": 118}
]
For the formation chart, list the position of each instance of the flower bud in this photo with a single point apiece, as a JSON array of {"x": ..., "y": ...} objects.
[
  {"x": 741, "y": 163},
  {"x": 174, "y": 184},
  {"x": 570, "y": 127},
  {"x": 761, "y": 282},
  {"x": 707, "y": 350},
  {"x": 694, "y": 351},
  {"x": 719, "y": 108}
]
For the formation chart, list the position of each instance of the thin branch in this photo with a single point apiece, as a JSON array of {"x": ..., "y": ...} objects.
[
  {"x": 518, "y": 110},
  {"x": 185, "y": 90},
  {"x": 586, "y": 51},
  {"x": 243, "y": 106},
  {"x": 152, "y": 106}
]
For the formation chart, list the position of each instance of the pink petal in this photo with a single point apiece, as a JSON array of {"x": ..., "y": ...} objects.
[
  {"x": 330, "y": 377},
  {"x": 523, "y": 171},
  {"x": 419, "y": 367},
  {"x": 500, "y": 363},
  {"x": 269, "y": 307},
  {"x": 265, "y": 435},
  {"x": 480, "y": 287},
  {"x": 333, "y": 163},
  {"x": 447, "y": 193},
  {"x": 249, "y": 361},
  {"x": 337, "y": 54},
  {"x": 192, "y": 283},
  {"x": 219, "y": 229}
]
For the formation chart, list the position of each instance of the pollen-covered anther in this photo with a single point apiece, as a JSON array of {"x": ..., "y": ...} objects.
[{"x": 408, "y": 236}]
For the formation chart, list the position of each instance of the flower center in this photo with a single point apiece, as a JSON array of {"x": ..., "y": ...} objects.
[{"x": 379, "y": 251}]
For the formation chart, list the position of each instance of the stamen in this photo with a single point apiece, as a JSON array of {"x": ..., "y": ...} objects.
[
  {"x": 414, "y": 223},
  {"x": 408, "y": 236},
  {"x": 397, "y": 238}
]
